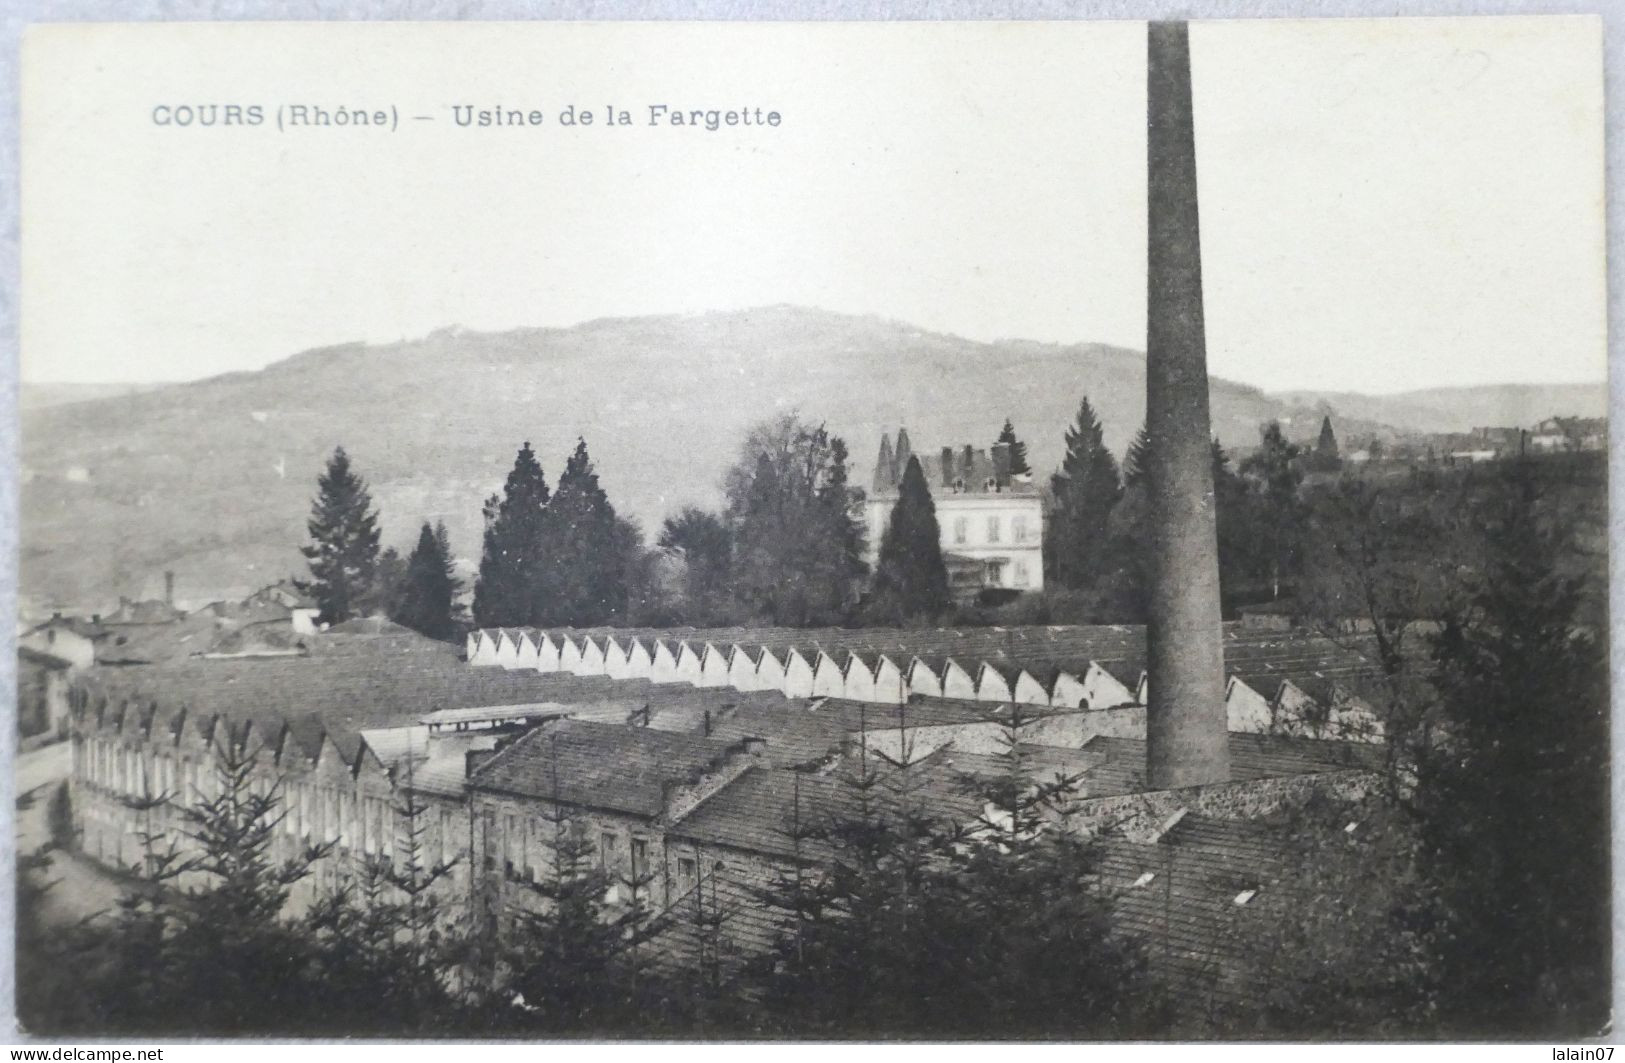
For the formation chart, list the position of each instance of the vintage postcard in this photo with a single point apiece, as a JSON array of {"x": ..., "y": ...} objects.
[{"x": 1086, "y": 531}]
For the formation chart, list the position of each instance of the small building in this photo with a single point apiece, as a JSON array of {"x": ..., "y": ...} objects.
[
  {"x": 42, "y": 693},
  {"x": 991, "y": 520}
]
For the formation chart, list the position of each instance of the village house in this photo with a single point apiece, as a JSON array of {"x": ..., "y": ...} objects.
[{"x": 991, "y": 520}]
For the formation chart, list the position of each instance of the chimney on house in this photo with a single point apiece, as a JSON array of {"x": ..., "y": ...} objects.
[
  {"x": 169, "y": 589},
  {"x": 967, "y": 466},
  {"x": 1187, "y": 739},
  {"x": 1001, "y": 465},
  {"x": 885, "y": 467},
  {"x": 947, "y": 466}
]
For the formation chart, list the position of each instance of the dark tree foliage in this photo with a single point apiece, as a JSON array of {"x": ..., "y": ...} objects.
[
  {"x": 911, "y": 580},
  {"x": 1085, "y": 491},
  {"x": 1513, "y": 800},
  {"x": 388, "y": 585},
  {"x": 512, "y": 559},
  {"x": 794, "y": 517},
  {"x": 915, "y": 925},
  {"x": 573, "y": 960},
  {"x": 343, "y": 552},
  {"x": 1018, "y": 450},
  {"x": 1275, "y": 472},
  {"x": 1134, "y": 467},
  {"x": 582, "y": 581},
  {"x": 430, "y": 588},
  {"x": 1488, "y": 915},
  {"x": 704, "y": 544}
]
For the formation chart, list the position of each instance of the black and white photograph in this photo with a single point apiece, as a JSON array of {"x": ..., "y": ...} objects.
[{"x": 1045, "y": 531}]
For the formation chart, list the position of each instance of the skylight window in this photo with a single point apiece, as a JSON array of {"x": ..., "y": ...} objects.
[
  {"x": 1350, "y": 828},
  {"x": 1145, "y": 879},
  {"x": 1243, "y": 897}
]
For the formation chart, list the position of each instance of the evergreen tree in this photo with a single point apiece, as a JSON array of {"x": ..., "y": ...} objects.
[
  {"x": 344, "y": 542},
  {"x": 911, "y": 580},
  {"x": 1084, "y": 492},
  {"x": 430, "y": 586},
  {"x": 1523, "y": 908},
  {"x": 1134, "y": 460},
  {"x": 388, "y": 585},
  {"x": 1018, "y": 450},
  {"x": 515, "y": 541},
  {"x": 1275, "y": 523},
  {"x": 583, "y": 582}
]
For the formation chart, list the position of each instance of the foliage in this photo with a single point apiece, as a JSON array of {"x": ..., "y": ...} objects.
[
  {"x": 798, "y": 540},
  {"x": 581, "y": 581},
  {"x": 1018, "y": 450},
  {"x": 919, "y": 925},
  {"x": 513, "y": 554},
  {"x": 1085, "y": 491},
  {"x": 343, "y": 552},
  {"x": 911, "y": 581},
  {"x": 429, "y": 593},
  {"x": 703, "y": 543}
]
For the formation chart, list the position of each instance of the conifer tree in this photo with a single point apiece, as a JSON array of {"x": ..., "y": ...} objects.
[
  {"x": 1018, "y": 450},
  {"x": 583, "y": 582},
  {"x": 512, "y": 557},
  {"x": 1085, "y": 490},
  {"x": 911, "y": 580},
  {"x": 1134, "y": 467},
  {"x": 344, "y": 542},
  {"x": 430, "y": 586}
]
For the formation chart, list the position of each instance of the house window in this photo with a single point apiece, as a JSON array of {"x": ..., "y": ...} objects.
[
  {"x": 640, "y": 858},
  {"x": 961, "y": 529},
  {"x": 510, "y": 848},
  {"x": 685, "y": 868},
  {"x": 608, "y": 857},
  {"x": 489, "y": 849},
  {"x": 1021, "y": 573},
  {"x": 1018, "y": 528},
  {"x": 995, "y": 572},
  {"x": 993, "y": 529}
]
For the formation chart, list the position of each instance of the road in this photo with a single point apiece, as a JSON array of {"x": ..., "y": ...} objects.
[{"x": 79, "y": 889}]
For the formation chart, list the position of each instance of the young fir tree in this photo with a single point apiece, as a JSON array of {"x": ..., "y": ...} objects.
[
  {"x": 911, "y": 580},
  {"x": 344, "y": 542},
  {"x": 583, "y": 582},
  {"x": 1134, "y": 467},
  {"x": 430, "y": 586},
  {"x": 515, "y": 542},
  {"x": 1522, "y": 714},
  {"x": 1018, "y": 450},
  {"x": 1085, "y": 491},
  {"x": 572, "y": 958}
]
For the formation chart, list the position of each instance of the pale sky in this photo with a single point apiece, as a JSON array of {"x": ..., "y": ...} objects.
[{"x": 1385, "y": 204}]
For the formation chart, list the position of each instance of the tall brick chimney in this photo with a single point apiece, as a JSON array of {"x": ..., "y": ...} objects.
[
  {"x": 947, "y": 466},
  {"x": 1186, "y": 727}
]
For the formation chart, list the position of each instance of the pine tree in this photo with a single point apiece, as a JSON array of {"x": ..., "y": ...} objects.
[
  {"x": 911, "y": 580},
  {"x": 582, "y": 582},
  {"x": 1018, "y": 450},
  {"x": 1085, "y": 491},
  {"x": 344, "y": 542},
  {"x": 512, "y": 557},
  {"x": 1134, "y": 462},
  {"x": 430, "y": 586}
]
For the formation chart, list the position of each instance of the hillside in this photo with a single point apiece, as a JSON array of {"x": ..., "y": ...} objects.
[
  {"x": 1461, "y": 409},
  {"x": 213, "y": 478}
]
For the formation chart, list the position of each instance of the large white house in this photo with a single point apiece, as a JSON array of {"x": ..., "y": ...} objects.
[{"x": 992, "y": 521}]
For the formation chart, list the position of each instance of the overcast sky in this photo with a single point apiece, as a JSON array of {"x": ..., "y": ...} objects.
[{"x": 1385, "y": 205}]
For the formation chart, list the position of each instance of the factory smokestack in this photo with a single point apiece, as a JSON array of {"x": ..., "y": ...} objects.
[{"x": 1187, "y": 740}]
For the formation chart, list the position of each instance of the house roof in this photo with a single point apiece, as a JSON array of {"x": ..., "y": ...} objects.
[
  {"x": 598, "y": 765},
  {"x": 42, "y": 660}
]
